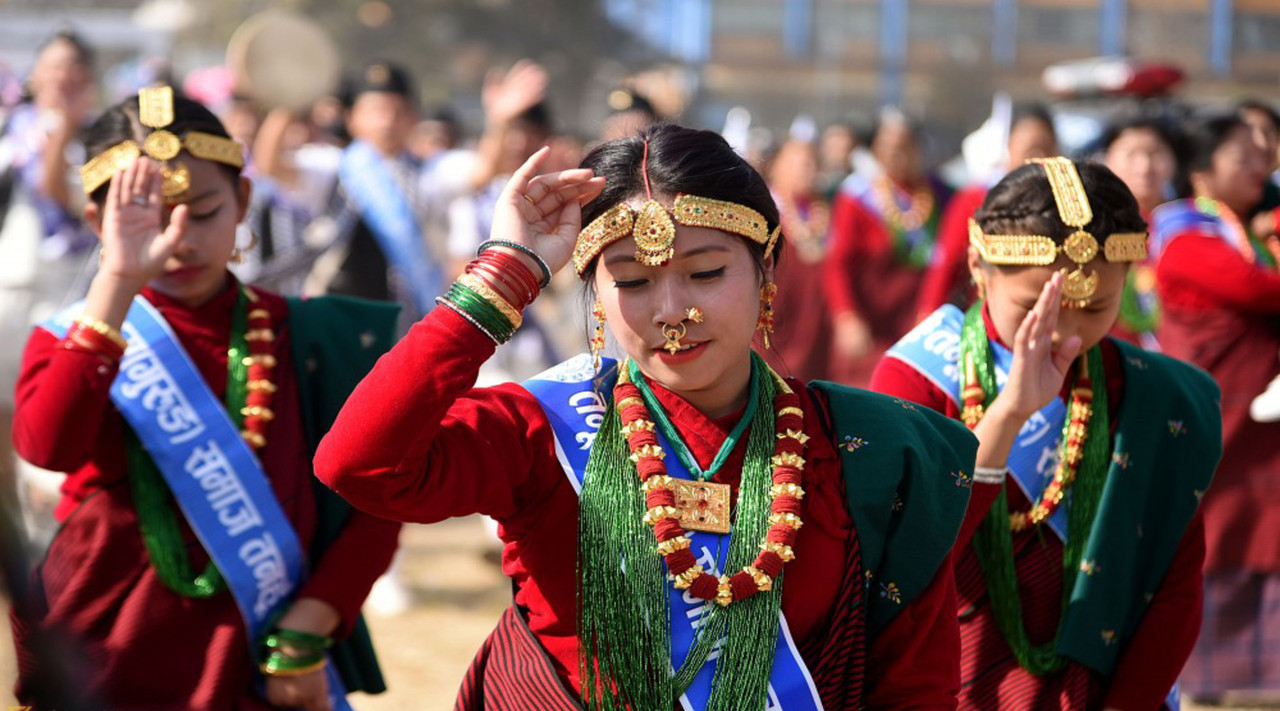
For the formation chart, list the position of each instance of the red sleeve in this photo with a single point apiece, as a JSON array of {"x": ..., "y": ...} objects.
[
  {"x": 914, "y": 663},
  {"x": 848, "y": 227},
  {"x": 415, "y": 442},
  {"x": 1154, "y": 657},
  {"x": 950, "y": 255},
  {"x": 60, "y": 400},
  {"x": 351, "y": 565},
  {"x": 1194, "y": 265}
]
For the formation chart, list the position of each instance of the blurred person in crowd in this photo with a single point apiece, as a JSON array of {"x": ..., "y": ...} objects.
[
  {"x": 883, "y": 232},
  {"x": 1144, "y": 154},
  {"x": 551, "y": 460},
  {"x": 237, "y": 588},
  {"x": 1220, "y": 298},
  {"x": 835, "y": 157},
  {"x": 1078, "y": 563},
  {"x": 436, "y": 135},
  {"x": 629, "y": 112},
  {"x": 45, "y": 247},
  {"x": 1264, "y": 124},
  {"x": 802, "y": 344},
  {"x": 1031, "y": 135}
]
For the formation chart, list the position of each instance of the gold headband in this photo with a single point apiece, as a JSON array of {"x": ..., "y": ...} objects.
[
  {"x": 1080, "y": 246},
  {"x": 655, "y": 233},
  {"x": 155, "y": 111}
]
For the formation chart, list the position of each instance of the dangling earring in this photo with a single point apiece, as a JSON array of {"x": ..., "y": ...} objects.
[
  {"x": 597, "y": 340},
  {"x": 237, "y": 253},
  {"x": 981, "y": 285},
  {"x": 765, "y": 324}
]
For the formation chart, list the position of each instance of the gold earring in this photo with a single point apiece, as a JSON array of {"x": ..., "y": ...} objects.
[
  {"x": 597, "y": 339},
  {"x": 765, "y": 324},
  {"x": 237, "y": 252}
]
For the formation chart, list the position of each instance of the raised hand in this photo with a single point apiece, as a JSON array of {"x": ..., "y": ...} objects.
[
  {"x": 506, "y": 96},
  {"x": 544, "y": 212},
  {"x": 1039, "y": 368},
  {"x": 135, "y": 241}
]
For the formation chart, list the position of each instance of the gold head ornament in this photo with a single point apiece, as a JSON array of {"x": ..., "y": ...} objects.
[
  {"x": 1080, "y": 246},
  {"x": 155, "y": 111}
]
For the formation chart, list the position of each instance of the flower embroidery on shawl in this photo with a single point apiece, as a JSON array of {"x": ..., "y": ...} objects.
[
  {"x": 890, "y": 591},
  {"x": 1089, "y": 567},
  {"x": 1199, "y": 494},
  {"x": 907, "y": 405},
  {"x": 897, "y": 503},
  {"x": 853, "y": 444},
  {"x": 1121, "y": 459},
  {"x": 1177, "y": 428},
  {"x": 962, "y": 479},
  {"x": 1138, "y": 363},
  {"x": 1108, "y": 637}
]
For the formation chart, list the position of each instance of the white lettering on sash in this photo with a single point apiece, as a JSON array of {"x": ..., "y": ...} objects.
[
  {"x": 264, "y": 557},
  {"x": 589, "y": 403},
  {"x": 223, "y": 489},
  {"x": 143, "y": 377}
]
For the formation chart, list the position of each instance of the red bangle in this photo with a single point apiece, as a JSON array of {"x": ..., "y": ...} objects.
[
  {"x": 512, "y": 264},
  {"x": 515, "y": 293},
  {"x": 82, "y": 338}
]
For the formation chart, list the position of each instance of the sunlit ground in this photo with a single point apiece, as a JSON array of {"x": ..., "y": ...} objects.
[{"x": 457, "y": 595}]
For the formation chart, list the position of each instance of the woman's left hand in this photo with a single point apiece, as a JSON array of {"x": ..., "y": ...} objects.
[{"x": 309, "y": 692}]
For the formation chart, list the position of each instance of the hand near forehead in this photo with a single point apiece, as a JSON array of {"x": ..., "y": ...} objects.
[
  {"x": 1039, "y": 367},
  {"x": 544, "y": 212},
  {"x": 135, "y": 241}
]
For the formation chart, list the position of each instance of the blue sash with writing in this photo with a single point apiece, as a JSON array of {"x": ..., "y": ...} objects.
[
  {"x": 215, "y": 478},
  {"x": 386, "y": 210},
  {"x": 575, "y": 404},
  {"x": 932, "y": 348}
]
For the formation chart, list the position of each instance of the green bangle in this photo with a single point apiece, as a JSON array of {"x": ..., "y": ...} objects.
[
  {"x": 480, "y": 312},
  {"x": 283, "y": 665},
  {"x": 298, "y": 638}
]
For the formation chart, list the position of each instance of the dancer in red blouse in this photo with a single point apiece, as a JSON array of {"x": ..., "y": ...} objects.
[
  {"x": 1105, "y": 455},
  {"x": 1220, "y": 298},
  {"x": 120, "y": 576},
  {"x": 834, "y": 587}
]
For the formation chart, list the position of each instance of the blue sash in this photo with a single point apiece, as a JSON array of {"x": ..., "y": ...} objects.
[
  {"x": 1178, "y": 217},
  {"x": 215, "y": 478},
  {"x": 383, "y": 206},
  {"x": 932, "y": 348},
  {"x": 576, "y": 409}
]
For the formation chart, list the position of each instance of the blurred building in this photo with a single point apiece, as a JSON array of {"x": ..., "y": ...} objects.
[{"x": 944, "y": 58}]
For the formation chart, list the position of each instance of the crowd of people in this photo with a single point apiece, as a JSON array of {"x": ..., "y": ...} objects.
[{"x": 248, "y": 361}]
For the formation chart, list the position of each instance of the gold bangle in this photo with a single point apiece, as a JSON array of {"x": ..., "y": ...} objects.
[
  {"x": 105, "y": 329},
  {"x": 268, "y": 670},
  {"x": 478, "y": 285}
]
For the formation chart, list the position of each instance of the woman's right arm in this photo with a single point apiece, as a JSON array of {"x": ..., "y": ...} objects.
[{"x": 415, "y": 441}]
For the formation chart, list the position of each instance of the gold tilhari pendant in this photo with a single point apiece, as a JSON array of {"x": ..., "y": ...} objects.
[{"x": 702, "y": 505}]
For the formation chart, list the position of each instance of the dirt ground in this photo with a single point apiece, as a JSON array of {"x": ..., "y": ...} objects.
[{"x": 457, "y": 594}]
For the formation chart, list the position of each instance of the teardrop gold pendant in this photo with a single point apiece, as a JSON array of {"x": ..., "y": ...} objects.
[{"x": 655, "y": 235}]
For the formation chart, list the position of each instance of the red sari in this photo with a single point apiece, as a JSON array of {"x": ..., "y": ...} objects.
[
  {"x": 990, "y": 677},
  {"x": 418, "y": 442},
  {"x": 144, "y": 646}
]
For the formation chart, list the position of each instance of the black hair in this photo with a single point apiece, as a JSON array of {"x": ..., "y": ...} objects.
[
  {"x": 537, "y": 117},
  {"x": 624, "y": 100},
  {"x": 681, "y": 160},
  {"x": 1023, "y": 203},
  {"x": 1262, "y": 107},
  {"x": 121, "y": 123},
  {"x": 84, "y": 53},
  {"x": 1162, "y": 130},
  {"x": 1206, "y": 136},
  {"x": 1032, "y": 111},
  {"x": 914, "y": 128}
]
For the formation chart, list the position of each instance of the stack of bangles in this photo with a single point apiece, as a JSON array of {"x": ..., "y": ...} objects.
[
  {"x": 294, "y": 653},
  {"x": 91, "y": 335},
  {"x": 495, "y": 288}
]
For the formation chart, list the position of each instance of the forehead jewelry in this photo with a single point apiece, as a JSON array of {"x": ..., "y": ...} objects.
[{"x": 1080, "y": 246}]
